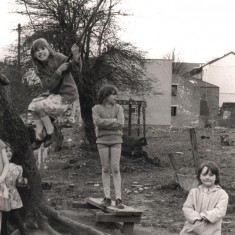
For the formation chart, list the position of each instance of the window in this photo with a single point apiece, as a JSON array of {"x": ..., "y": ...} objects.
[
  {"x": 173, "y": 111},
  {"x": 173, "y": 90}
]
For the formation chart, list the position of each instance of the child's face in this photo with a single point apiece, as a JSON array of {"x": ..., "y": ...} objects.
[
  {"x": 112, "y": 99},
  {"x": 42, "y": 54},
  {"x": 207, "y": 179},
  {"x": 9, "y": 152}
]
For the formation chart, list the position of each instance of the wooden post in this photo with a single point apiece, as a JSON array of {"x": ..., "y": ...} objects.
[
  {"x": 128, "y": 228},
  {"x": 193, "y": 139},
  {"x": 129, "y": 120},
  {"x": 138, "y": 120},
  {"x": 173, "y": 163},
  {"x": 144, "y": 125}
]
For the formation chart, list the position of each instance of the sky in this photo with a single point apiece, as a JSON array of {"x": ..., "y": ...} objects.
[{"x": 198, "y": 30}]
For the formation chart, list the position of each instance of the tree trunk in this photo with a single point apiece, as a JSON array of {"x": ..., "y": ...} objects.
[
  {"x": 87, "y": 93},
  {"x": 86, "y": 113},
  {"x": 13, "y": 131}
]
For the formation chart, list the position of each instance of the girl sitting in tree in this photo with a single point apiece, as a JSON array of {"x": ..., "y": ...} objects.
[{"x": 55, "y": 74}]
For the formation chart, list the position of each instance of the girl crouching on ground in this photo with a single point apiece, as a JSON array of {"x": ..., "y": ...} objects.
[
  {"x": 108, "y": 118},
  {"x": 206, "y": 204}
]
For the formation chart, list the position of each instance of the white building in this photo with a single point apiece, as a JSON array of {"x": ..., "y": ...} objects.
[{"x": 220, "y": 72}]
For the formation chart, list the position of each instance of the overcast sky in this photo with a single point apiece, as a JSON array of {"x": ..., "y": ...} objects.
[{"x": 199, "y": 30}]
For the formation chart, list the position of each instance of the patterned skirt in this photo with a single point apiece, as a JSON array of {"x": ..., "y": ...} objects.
[
  {"x": 52, "y": 104},
  {"x": 4, "y": 198},
  {"x": 55, "y": 106}
]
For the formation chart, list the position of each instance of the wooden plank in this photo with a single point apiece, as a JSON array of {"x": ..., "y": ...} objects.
[
  {"x": 106, "y": 217},
  {"x": 173, "y": 163},
  {"x": 83, "y": 205},
  {"x": 193, "y": 139},
  {"x": 127, "y": 211}
]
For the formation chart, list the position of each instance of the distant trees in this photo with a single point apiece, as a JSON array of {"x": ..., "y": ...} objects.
[{"x": 177, "y": 62}]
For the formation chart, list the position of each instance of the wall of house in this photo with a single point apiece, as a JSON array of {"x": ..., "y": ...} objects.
[
  {"x": 158, "y": 111},
  {"x": 222, "y": 74},
  {"x": 187, "y": 101},
  {"x": 212, "y": 96}
]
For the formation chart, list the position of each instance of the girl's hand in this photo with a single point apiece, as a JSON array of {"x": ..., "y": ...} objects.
[
  {"x": 63, "y": 67},
  {"x": 75, "y": 51}
]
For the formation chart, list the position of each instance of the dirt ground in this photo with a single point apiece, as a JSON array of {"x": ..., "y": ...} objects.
[{"x": 75, "y": 174}]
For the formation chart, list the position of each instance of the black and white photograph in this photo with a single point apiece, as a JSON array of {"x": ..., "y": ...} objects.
[{"x": 117, "y": 117}]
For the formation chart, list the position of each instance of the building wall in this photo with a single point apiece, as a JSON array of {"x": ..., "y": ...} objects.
[
  {"x": 222, "y": 74},
  {"x": 212, "y": 97},
  {"x": 187, "y": 101},
  {"x": 190, "y": 92},
  {"x": 158, "y": 111}
]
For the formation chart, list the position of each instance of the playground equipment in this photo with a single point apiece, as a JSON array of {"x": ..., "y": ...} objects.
[{"x": 134, "y": 136}]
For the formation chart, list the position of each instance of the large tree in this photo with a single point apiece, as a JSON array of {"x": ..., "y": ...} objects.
[
  {"x": 105, "y": 57},
  {"x": 35, "y": 210}
]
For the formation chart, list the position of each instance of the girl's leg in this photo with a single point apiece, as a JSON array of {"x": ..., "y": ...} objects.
[
  {"x": 48, "y": 126},
  {"x": 18, "y": 220},
  {"x": 39, "y": 125},
  {"x": 5, "y": 216},
  {"x": 115, "y": 153},
  {"x": 0, "y": 221},
  {"x": 105, "y": 163},
  {"x": 46, "y": 121}
]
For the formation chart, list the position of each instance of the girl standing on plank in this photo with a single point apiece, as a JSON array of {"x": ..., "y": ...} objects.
[{"x": 108, "y": 118}]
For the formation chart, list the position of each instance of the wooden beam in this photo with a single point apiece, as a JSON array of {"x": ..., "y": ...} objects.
[{"x": 106, "y": 217}]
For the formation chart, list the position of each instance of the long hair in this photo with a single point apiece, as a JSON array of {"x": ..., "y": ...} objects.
[
  {"x": 212, "y": 167},
  {"x": 39, "y": 43},
  {"x": 105, "y": 91}
]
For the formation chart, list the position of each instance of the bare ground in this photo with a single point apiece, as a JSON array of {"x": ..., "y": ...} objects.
[{"x": 75, "y": 174}]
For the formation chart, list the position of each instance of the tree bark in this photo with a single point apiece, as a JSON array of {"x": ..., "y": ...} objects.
[{"x": 13, "y": 131}]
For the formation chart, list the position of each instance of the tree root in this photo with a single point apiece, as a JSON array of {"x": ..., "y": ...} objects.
[
  {"x": 71, "y": 224},
  {"x": 43, "y": 228}
]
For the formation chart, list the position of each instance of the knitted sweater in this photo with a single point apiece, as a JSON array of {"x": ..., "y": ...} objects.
[
  {"x": 108, "y": 122},
  {"x": 50, "y": 78}
]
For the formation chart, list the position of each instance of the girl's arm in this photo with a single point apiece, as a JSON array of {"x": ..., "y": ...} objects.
[
  {"x": 219, "y": 211},
  {"x": 5, "y": 165},
  {"x": 101, "y": 122},
  {"x": 191, "y": 215},
  {"x": 50, "y": 82},
  {"x": 119, "y": 121}
]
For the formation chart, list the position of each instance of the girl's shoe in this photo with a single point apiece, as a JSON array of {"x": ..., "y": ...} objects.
[
  {"x": 106, "y": 202},
  {"x": 36, "y": 144},
  {"x": 119, "y": 204},
  {"x": 48, "y": 140}
]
